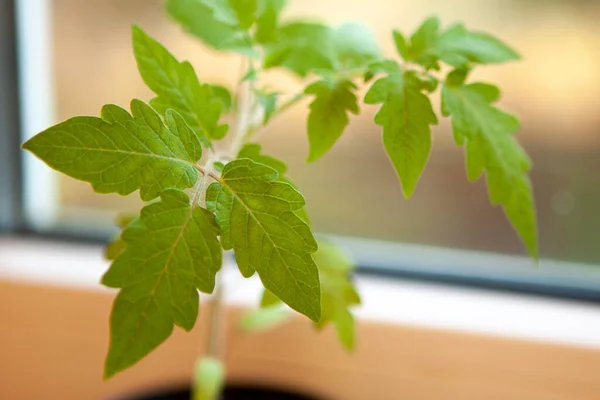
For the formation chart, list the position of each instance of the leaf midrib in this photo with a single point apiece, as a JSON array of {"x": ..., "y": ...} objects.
[
  {"x": 159, "y": 279},
  {"x": 130, "y": 153}
]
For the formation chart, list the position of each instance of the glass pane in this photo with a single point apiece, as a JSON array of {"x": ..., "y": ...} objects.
[{"x": 353, "y": 191}]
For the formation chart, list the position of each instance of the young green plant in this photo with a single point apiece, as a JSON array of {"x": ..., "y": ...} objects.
[{"x": 209, "y": 187}]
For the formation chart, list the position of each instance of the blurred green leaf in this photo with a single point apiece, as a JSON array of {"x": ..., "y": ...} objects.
[
  {"x": 356, "y": 45},
  {"x": 198, "y": 19},
  {"x": 264, "y": 319},
  {"x": 253, "y": 152},
  {"x": 296, "y": 50},
  {"x": 487, "y": 134},
  {"x": 268, "y": 299},
  {"x": 329, "y": 111},
  {"x": 456, "y": 46},
  {"x": 337, "y": 291},
  {"x": 405, "y": 115},
  {"x": 267, "y": 20}
]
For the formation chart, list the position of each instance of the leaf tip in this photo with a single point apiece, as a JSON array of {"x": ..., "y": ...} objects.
[
  {"x": 109, "y": 371},
  {"x": 408, "y": 191},
  {"x": 26, "y": 145},
  {"x": 312, "y": 157}
]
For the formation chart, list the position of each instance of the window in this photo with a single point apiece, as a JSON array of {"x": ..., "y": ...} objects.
[{"x": 80, "y": 58}]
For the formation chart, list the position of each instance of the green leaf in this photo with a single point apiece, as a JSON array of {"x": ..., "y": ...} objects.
[
  {"x": 328, "y": 115},
  {"x": 222, "y": 11},
  {"x": 253, "y": 152},
  {"x": 256, "y": 215},
  {"x": 337, "y": 291},
  {"x": 344, "y": 326},
  {"x": 209, "y": 379},
  {"x": 268, "y": 299},
  {"x": 245, "y": 11},
  {"x": 405, "y": 115},
  {"x": 172, "y": 251},
  {"x": 267, "y": 20},
  {"x": 487, "y": 134},
  {"x": 356, "y": 45},
  {"x": 177, "y": 86},
  {"x": 235, "y": 13},
  {"x": 296, "y": 49},
  {"x": 457, "y": 46},
  {"x": 217, "y": 31},
  {"x": 423, "y": 43},
  {"x": 120, "y": 153},
  {"x": 401, "y": 45},
  {"x": 350, "y": 46},
  {"x": 113, "y": 249},
  {"x": 264, "y": 319}
]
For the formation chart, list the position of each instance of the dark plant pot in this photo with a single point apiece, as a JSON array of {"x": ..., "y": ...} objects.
[{"x": 230, "y": 393}]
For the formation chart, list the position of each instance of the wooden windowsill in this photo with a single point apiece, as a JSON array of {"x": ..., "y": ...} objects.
[{"x": 53, "y": 338}]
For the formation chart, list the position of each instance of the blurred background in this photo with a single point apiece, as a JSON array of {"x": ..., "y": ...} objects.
[
  {"x": 74, "y": 56},
  {"x": 353, "y": 191}
]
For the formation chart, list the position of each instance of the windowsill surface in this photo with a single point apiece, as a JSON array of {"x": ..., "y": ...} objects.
[{"x": 390, "y": 301}]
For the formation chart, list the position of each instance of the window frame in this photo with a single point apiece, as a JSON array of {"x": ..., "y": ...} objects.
[{"x": 11, "y": 199}]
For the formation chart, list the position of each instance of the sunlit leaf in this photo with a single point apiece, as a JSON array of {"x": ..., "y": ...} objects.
[
  {"x": 120, "y": 153},
  {"x": 487, "y": 134},
  {"x": 171, "y": 252},
  {"x": 256, "y": 215}
]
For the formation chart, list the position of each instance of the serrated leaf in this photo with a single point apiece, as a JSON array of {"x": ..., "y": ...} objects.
[
  {"x": 177, "y": 86},
  {"x": 209, "y": 379},
  {"x": 172, "y": 251},
  {"x": 125, "y": 154},
  {"x": 405, "y": 115},
  {"x": 253, "y": 151},
  {"x": 356, "y": 45},
  {"x": 197, "y": 17},
  {"x": 328, "y": 116},
  {"x": 267, "y": 20},
  {"x": 296, "y": 49},
  {"x": 264, "y": 319},
  {"x": 337, "y": 291},
  {"x": 487, "y": 134},
  {"x": 256, "y": 215}
]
